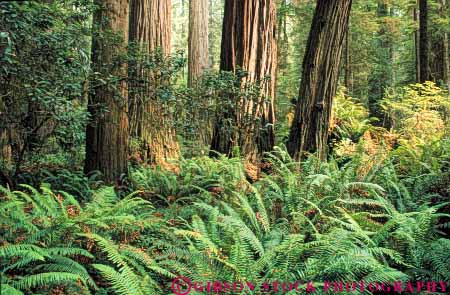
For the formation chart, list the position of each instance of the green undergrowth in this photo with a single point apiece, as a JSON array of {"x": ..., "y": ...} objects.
[{"x": 343, "y": 220}]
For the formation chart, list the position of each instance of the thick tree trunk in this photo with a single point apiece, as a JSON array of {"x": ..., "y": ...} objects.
[
  {"x": 198, "y": 63},
  {"x": 139, "y": 29},
  {"x": 424, "y": 44},
  {"x": 107, "y": 133},
  {"x": 198, "y": 59},
  {"x": 150, "y": 117},
  {"x": 309, "y": 130},
  {"x": 248, "y": 43},
  {"x": 160, "y": 25}
]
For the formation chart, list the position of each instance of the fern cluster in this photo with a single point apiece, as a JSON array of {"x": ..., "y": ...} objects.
[
  {"x": 312, "y": 222},
  {"x": 51, "y": 241}
]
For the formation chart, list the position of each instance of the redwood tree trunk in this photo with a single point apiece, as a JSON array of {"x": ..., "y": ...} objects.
[
  {"x": 160, "y": 25},
  {"x": 248, "y": 43},
  {"x": 198, "y": 59},
  {"x": 424, "y": 44},
  {"x": 150, "y": 118},
  {"x": 309, "y": 130},
  {"x": 198, "y": 63},
  {"x": 107, "y": 133}
]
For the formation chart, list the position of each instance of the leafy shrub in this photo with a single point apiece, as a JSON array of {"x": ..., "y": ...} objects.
[
  {"x": 350, "y": 118},
  {"x": 419, "y": 112},
  {"x": 43, "y": 73}
]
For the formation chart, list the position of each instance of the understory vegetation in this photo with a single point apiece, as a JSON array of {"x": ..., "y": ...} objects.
[{"x": 376, "y": 211}]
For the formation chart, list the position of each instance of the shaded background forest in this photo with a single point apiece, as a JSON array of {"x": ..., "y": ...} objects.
[{"x": 226, "y": 140}]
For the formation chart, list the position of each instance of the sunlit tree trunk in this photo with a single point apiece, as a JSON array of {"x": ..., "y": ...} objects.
[
  {"x": 198, "y": 63},
  {"x": 151, "y": 122},
  {"x": 107, "y": 132},
  {"x": 309, "y": 130},
  {"x": 198, "y": 59},
  {"x": 249, "y": 43},
  {"x": 160, "y": 25},
  {"x": 424, "y": 43}
]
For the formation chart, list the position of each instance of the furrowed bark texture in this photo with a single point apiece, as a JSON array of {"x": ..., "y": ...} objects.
[
  {"x": 160, "y": 25},
  {"x": 107, "y": 133},
  {"x": 198, "y": 63},
  {"x": 150, "y": 118},
  {"x": 249, "y": 44},
  {"x": 198, "y": 47},
  {"x": 309, "y": 130}
]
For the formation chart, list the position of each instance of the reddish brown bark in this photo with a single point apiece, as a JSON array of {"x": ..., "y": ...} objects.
[
  {"x": 198, "y": 59},
  {"x": 249, "y": 44},
  {"x": 150, "y": 118},
  {"x": 309, "y": 130},
  {"x": 107, "y": 133}
]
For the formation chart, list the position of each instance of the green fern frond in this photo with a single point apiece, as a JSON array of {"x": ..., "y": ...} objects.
[
  {"x": 10, "y": 290},
  {"x": 47, "y": 279},
  {"x": 119, "y": 281}
]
